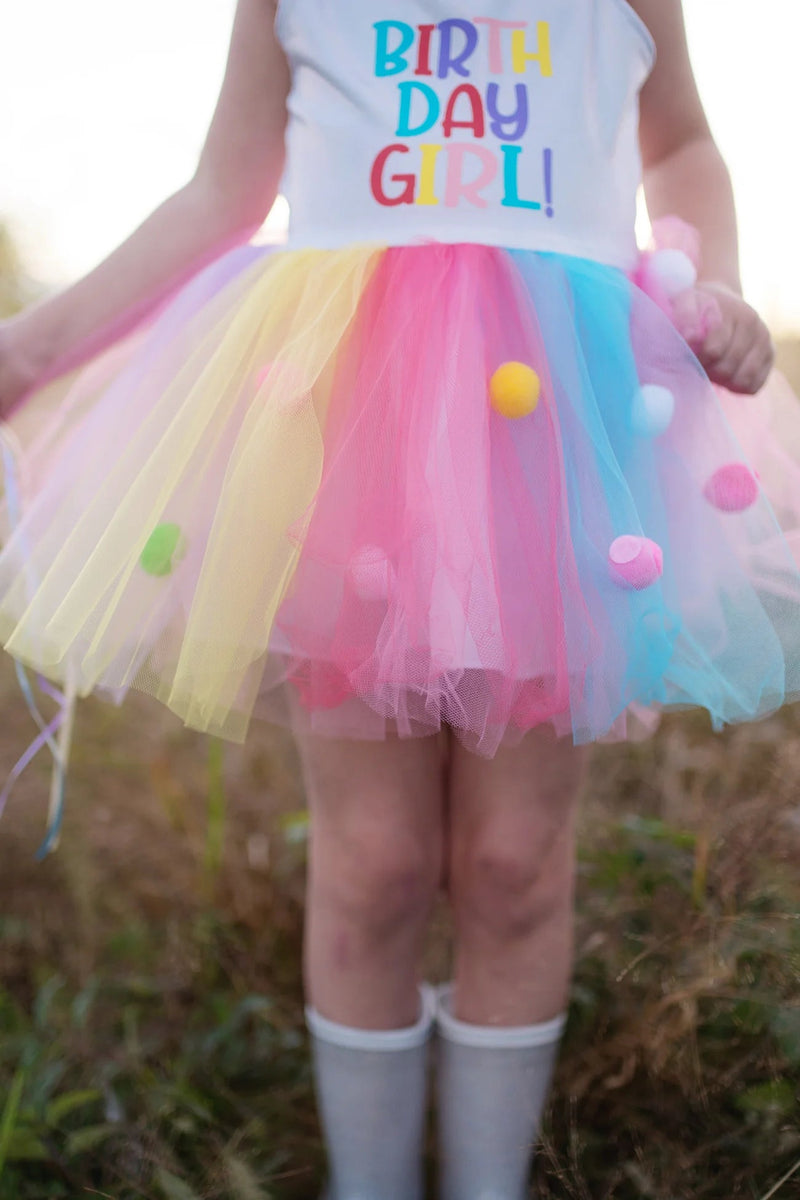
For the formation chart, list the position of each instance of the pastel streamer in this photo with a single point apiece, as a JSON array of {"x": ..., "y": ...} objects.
[{"x": 56, "y": 734}]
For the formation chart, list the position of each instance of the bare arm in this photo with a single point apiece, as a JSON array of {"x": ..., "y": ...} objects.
[
  {"x": 228, "y": 197},
  {"x": 684, "y": 174}
]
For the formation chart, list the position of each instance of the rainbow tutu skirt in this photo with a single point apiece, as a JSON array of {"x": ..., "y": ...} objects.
[{"x": 377, "y": 491}]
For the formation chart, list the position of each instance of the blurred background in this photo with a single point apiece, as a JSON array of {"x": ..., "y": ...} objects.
[
  {"x": 151, "y": 1041},
  {"x": 106, "y": 113}
]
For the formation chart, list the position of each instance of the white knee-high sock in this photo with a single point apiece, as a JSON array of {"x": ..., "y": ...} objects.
[
  {"x": 372, "y": 1098},
  {"x": 492, "y": 1084}
]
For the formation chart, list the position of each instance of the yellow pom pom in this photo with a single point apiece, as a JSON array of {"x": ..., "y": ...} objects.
[{"x": 514, "y": 390}]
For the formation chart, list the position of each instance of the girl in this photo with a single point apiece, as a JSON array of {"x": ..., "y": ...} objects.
[{"x": 452, "y": 509}]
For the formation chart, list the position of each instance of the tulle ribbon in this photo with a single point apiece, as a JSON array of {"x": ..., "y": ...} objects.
[{"x": 55, "y": 734}]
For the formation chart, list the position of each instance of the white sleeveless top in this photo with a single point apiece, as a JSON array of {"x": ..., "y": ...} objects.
[{"x": 412, "y": 120}]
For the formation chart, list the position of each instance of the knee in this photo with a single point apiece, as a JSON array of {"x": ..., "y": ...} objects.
[
  {"x": 377, "y": 877},
  {"x": 509, "y": 885}
]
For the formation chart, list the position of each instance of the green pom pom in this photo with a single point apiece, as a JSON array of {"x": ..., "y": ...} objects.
[{"x": 164, "y": 548}]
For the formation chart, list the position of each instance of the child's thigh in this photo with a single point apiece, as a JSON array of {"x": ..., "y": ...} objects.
[
  {"x": 518, "y": 805},
  {"x": 375, "y": 799}
]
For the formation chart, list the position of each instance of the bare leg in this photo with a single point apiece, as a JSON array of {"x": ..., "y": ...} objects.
[
  {"x": 512, "y": 879},
  {"x": 511, "y": 882},
  {"x": 375, "y": 864}
]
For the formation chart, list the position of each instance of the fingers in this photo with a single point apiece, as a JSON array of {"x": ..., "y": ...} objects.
[
  {"x": 717, "y": 342},
  {"x": 738, "y": 354},
  {"x": 752, "y": 373},
  {"x": 729, "y": 360}
]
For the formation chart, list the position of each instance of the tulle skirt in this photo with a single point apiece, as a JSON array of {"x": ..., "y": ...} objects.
[{"x": 377, "y": 491}]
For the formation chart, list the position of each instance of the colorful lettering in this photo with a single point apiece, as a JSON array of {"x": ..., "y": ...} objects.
[
  {"x": 521, "y": 56},
  {"x": 448, "y": 60},
  {"x": 426, "y": 33},
  {"x": 548, "y": 182},
  {"x": 427, "y": 175},
  {"x": 511, "y": 198},
  {"x": 406, "y": 196},
  {"x": 476, "y": 122},
  {"x": 457, "y": 187},
  {"x": 516, "y": 121},
  {"x": 392, "y": 62},
  {"x": 407, "y": 91},
  {"x": 496, "y": 27},
  {"x": 469, "y": 166}
]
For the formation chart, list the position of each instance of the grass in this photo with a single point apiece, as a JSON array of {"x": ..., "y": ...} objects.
[{"x": 151, "y": 1041}]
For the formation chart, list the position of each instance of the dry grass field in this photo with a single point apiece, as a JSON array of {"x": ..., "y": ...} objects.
[{"x": 151, "y": 1041}]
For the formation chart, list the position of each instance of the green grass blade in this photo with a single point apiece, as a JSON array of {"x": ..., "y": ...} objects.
[
  {"x": 66, "y": 1104},
  {"x": 10, "y": 1112},
  {"x": 173, "y": 1188}
]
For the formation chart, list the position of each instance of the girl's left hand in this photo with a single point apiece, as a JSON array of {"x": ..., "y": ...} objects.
[{"x": 736, "y": 351}]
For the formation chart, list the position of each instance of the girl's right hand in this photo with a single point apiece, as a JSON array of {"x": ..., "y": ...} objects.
[{"x": 17, "y": 375}]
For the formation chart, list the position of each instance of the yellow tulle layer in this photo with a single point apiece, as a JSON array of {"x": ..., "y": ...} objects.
[{"x": 226, "y": 418}]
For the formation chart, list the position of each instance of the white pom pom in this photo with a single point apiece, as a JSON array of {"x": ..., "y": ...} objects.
[
  {"x": 673, "y": 270},
  {"x": 372, "y": 573},
  {"x": 652, "y": 410}
]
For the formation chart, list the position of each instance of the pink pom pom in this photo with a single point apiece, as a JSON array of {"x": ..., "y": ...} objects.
[
  {"x": 635, "y": 562},
  {"x": 320, "y": 686},
  {"x": 732, "y": 488}
]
